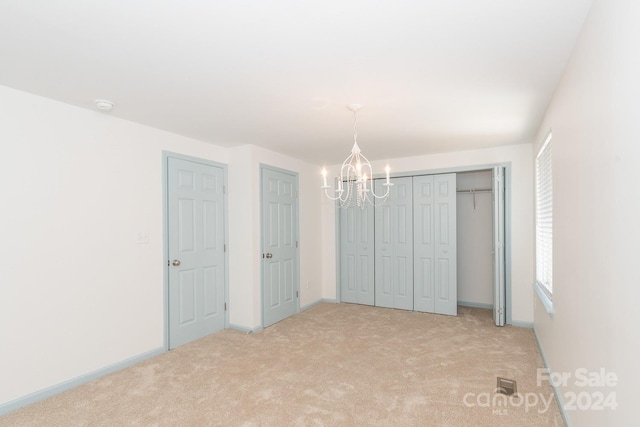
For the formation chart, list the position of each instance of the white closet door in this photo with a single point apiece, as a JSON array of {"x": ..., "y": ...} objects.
[
  {"x": 356, "y": 255},
  {"x": 499, "y": 312},
  {"x": 394, "y": 246}
]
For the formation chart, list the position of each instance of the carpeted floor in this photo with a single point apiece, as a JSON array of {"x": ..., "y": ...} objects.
[{"x": 333, "y": 365}]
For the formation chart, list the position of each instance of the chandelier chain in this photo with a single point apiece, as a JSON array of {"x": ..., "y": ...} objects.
[{"x": 355, "y": 125}]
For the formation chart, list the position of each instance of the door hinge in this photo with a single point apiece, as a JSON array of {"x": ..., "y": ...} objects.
[
  {"x": 225, "y": 247},
  {"x": 296, "y": 294},
  {"x": 169, "y": 262},
  {"x": 224, "y": 189},
  {"x": 296, "y": 243},
  {"x": 225, "y": 306}
]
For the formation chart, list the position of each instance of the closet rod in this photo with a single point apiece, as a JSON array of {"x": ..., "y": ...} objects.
[{"x": 483, "y": 190}]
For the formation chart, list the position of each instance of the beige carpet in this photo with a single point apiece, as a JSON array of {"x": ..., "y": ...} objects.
[{"x": 333, "y": 365}]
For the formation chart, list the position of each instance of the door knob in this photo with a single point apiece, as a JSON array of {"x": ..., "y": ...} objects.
[
  {"x": 176, "y": 262},
  {"x": 268, "y": 255}
]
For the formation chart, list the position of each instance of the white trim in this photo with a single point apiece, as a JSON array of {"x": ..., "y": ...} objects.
[{"x": 544, "y": 298}]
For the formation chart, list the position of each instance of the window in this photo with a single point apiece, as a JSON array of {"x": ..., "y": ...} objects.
[{"x": 544, "y": 221}]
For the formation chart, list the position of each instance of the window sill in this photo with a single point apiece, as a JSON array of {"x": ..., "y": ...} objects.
[{"x": 546, "y": 301}]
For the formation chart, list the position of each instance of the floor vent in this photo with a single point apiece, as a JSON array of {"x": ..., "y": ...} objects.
[{"x": 506, "y": 386}]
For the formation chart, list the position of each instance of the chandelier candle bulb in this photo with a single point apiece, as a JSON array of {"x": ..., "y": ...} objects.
[
  {"x": 364, "y": 182},
  {"x": 324, "y": 176},
  {"x": 386, "y": 169}
]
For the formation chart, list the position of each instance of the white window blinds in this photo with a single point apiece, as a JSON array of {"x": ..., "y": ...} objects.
[{"x": 544, "y": 218}]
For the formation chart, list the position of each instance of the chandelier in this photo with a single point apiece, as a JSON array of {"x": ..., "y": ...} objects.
[{"x": 355, "y": 186}]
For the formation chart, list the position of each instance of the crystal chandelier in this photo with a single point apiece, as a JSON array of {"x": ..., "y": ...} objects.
[{"x": 355, "y": 186}]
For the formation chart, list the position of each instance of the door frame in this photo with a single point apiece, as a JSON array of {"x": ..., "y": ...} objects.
[
  {"x": 295, "y": 175},
  {"x": 165, "y": 235},
  {"x": 507, "y": 220}
]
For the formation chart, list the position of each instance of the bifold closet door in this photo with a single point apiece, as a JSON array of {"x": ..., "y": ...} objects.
[
  {"x": 499, "y": 273},
  {"x": 356, "y": 255},
  {"x": 434, "y": 207},
  {"x": 394, "y": 245}
]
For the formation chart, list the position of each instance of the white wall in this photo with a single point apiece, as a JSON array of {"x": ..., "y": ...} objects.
[
  {"x": 475, "y": 238},
  {"x": 78, "y": 293},
  {"x": 596, "y": 128},
  {"x": 521, "y": 209}
]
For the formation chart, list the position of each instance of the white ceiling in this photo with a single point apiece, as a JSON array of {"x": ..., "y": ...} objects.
[{"x": 433, "y": 75}]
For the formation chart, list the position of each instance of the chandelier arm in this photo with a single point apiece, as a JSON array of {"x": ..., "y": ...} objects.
[
  {"x": 347, "y": 164},
  {"x": 326, "y": 192},
  {"x": 382, "y": 196}
]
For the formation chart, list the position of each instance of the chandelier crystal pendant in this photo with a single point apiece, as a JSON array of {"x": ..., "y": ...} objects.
[{"x": 355, "y": 186}]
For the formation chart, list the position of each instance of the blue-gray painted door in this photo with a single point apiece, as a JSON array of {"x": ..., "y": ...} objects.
[
  {"x": 446, "y": 276},
  {"x": 279, "y": 239},
  {"x": 499, "y": 309},
  {"x": 394, "y": 246},
  {"x": 356, "y": 255},
  {"x": 424, "y": 245},
  {"x": 434, "y": 207},
  {"x": 195, "y": 195}
]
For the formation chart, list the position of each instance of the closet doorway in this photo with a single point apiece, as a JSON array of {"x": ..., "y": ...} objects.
[
  {"x": 481, "y": 225},
  {"x": 480, "y": 270}
]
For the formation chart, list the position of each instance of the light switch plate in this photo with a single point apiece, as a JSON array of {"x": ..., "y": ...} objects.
[{"x": 142, "y": 237}]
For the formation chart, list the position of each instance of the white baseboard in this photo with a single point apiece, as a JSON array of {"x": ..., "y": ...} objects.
[
  {"x": 310, "y": 306},
  {"x": 244, "y": 329},
  {"x": 475, "y": 304},
  {"x": 318, "y": 302},
  {"x": 559, "y": 398},
  {"x": 520, "y": 324}
]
